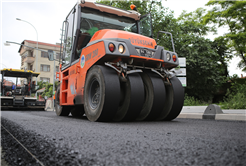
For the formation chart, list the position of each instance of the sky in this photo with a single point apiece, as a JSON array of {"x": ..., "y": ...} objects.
[{"x": 47, "y": 17}]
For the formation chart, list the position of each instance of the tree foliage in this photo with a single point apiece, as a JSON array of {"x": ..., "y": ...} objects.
[
  {"x": 225, "y": 53},
  {"x": 233, "y": 15},
  {"x": 48, "y": 88},
  {"x": 205, "y": 72},
  {"x": 236, "y": 95}
]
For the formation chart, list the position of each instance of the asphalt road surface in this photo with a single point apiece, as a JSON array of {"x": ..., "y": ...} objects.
[{"x": 52, "y": 140}]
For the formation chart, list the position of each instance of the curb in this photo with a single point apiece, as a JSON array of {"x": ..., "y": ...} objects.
[
  {"x": 212, "y": 112},
  {"x": 234, "y": 117},
  {"x": 190, "y": 115}
]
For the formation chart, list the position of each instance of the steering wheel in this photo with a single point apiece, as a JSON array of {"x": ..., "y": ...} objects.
[{"x": 85, "y": 25}]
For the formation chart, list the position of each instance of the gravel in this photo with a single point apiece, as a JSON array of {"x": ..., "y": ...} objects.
[{"x": 77, "y": 141}]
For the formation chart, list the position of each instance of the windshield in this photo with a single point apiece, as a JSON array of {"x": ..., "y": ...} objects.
[
  {"x": 93, "y": 20},
  {"x": 145, "y": 25}
]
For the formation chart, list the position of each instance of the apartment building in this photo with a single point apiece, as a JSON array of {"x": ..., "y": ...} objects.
[{"x": 29, "y": 60}]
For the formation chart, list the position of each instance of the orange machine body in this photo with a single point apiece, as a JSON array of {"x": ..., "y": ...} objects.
[{"x": 73, "y": 78}]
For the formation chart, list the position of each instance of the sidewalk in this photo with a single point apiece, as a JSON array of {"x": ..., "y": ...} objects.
[{"x": 196, "y": 112}]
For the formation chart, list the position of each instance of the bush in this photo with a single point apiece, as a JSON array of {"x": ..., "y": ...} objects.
[
  {"x": 192, "y": 101},
  {"x": 48, "y": 88},
  {"x": 235, "y": 97}
]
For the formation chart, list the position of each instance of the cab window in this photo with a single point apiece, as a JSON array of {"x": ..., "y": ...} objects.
[
  {"x": 93, "y": 20},
  {"x": 68, "y": 42},
  {"x": 145, "y": 25}
]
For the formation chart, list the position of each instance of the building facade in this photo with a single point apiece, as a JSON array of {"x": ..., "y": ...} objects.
[{"x": 29, "y": 60}]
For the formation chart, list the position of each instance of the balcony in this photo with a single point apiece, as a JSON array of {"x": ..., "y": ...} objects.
[{"x": 29, "y": 59}]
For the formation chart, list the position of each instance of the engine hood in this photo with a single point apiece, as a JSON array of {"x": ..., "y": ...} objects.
[{"x": 135, "y": 39}]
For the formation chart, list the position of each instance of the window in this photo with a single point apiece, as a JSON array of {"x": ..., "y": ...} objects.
[
  {"x": 22, "y": 60},
  {"x": 68, "y": 42},
  {"x": 57, "y": 68},
  {"x": 44, "y": 79},
  {"x": 31, "y": 67},
  {"x": 57, "y": 56},
  {"x": 145, "y": 26},
  {"x": 45, "y": 68},
  {"x": 44, "y": 54},
  {"x": 93, "y": 18}
]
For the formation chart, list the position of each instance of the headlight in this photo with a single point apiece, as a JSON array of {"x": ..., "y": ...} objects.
[
  {"x": 168, "y": 56},
  {"x": 121, "y": 48}
]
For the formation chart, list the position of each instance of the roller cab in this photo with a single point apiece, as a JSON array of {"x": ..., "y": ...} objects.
[{"x": 112, "y": 69}]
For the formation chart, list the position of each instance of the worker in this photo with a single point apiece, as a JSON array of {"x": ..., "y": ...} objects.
[
  {"x": 33, "y": 86},
  {"x": 84, "y": 38},
  {"x": 26, "y": 89},
  {"x": 94, "y": 29},
  {"x": 54, "y": 97},
  {"x": 29, "y": 86},
  {"x": 13, "y": 87}
]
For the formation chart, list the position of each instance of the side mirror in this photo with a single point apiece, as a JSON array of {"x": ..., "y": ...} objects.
[{"x": 51, "y": 55}]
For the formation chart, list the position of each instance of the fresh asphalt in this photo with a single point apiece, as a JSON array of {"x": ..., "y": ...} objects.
[{"x": 57, "y": 140}]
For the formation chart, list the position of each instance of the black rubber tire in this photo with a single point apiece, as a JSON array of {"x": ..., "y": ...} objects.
[
  {"x": 168, "y": 102},
  {"x": 176, "y": 99},
  {"x": 155, "y": 94},
  {"x": 77, "y": 111},
  {"x": 60, "y": 110},
  {"x": 133, "y": 98},
  {"x": 101, "y": 104}
]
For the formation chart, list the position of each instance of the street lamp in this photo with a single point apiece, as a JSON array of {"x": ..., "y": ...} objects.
[{"x": 36, "y": 58}]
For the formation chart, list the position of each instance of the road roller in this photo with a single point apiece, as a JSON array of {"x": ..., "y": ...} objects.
[{"x": 111, "y": 68}]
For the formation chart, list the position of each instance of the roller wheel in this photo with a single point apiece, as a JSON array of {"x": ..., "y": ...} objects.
[
  {"x": 175, "y": 98},
  {"x": 60, "y": 110},
  {"x": 101, "y": 94},
  {"x": 77, "y": 111},
  {"x": 132, "y": 98},
  {"x": 155, "y": 94},
  {"x": 168, "y": 102}
]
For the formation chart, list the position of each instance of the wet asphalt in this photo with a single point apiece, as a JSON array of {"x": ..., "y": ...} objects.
[{"x": 57, "y": 140}]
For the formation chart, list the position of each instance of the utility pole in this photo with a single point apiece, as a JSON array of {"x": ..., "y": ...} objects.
[{"x": 54, "y": 76}]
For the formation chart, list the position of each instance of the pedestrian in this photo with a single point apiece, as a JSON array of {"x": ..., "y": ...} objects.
[{"x": 13, "y": 87}]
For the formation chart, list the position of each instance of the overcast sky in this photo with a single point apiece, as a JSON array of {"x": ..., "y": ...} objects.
[{"x": 47, "y": 17}]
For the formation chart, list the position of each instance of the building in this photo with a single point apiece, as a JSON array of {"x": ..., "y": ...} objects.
[{"x": 44, "y": 66}]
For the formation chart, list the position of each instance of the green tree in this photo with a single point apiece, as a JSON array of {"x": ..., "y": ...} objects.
[
  {"x": 206, "y": 60},
  {"x": 242, "y": 65},
  {"x": 48, "y": 88},
  {"x": 225, "y": 54},
  {"x": 233, "y": 15},
  {"x": 41, "y": 84},
  {"x": 205, "y": 74}
]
